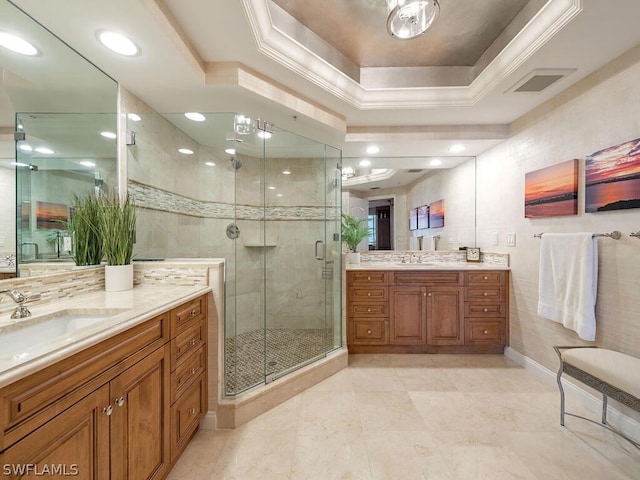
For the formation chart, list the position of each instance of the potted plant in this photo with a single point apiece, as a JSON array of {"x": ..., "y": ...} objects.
[
  {"x": 85, "y": 230},
  {"x": 118, "y": 229},
  {"x": 353, "y": 232}
]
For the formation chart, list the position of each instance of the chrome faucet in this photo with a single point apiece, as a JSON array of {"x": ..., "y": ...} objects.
[{"x": 21, "y": 310}]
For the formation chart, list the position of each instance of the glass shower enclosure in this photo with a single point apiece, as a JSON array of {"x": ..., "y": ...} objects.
[{"x": 266, "y": 200}]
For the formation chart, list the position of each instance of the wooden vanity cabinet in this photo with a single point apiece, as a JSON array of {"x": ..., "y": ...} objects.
[
  {"x": 429, "y": 311},
  {"x": 107, "y": 410}
]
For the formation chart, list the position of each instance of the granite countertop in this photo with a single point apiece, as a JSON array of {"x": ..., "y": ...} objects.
[
  {"x": 424, "y": 266},
  {"x": 126, "y": 309}
]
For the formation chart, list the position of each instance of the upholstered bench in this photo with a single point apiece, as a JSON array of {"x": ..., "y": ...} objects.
[{"x": 614, "y": 374}]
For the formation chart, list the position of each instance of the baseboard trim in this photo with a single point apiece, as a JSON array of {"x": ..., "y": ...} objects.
[
  {"x": 591, "y": 402},
  {"x": 209, "y": 422}
]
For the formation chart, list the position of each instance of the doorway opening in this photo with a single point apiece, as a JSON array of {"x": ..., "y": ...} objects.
[{"x": 381, "y": 221}]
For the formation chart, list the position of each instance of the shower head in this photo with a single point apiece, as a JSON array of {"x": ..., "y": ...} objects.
[{"x": 235, "y": 163}]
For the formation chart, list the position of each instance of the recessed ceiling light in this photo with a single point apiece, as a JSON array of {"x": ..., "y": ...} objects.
[
  {"x": 17, "y": 44},
  {"x": 45, "y": 150},
  {"x": 457, "y": 148},
  {"x": 118, "y": 43},
  {"x": 87, "y": 163},
  {"x": 186, "y": 151},
  {"x": 365, "y": 163},
  {"x": 264, "y": 135},
  {"x": 271, "y": 188},
  {"x": 435, "y": 162},
  {"x": 108, "y": 135},
  {"x": 279, "y": 195},
  {"x": 134, "y": 116},
  {"x": 25, "y": 147},
  {"x": 371, "y": 149},
  {"x": 286, "y": 172},
  {"x": 210, "y": 164},
  {"x": 230, "y": 151},
  {"x": 195, "y": 116}
]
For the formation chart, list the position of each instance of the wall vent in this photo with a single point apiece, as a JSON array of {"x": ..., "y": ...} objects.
[
  {"x": 540, "y": 79},
  {"x": 375, "y": 188},
  {"x": 414, "y": 170}
]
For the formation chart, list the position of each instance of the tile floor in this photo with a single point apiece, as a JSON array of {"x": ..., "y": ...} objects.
[{"x": 445, "y": 417}]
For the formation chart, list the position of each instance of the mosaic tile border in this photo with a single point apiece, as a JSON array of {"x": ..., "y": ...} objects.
[
  {"x": 146, "y": 196},
  {"x": 454, "y": 256}
]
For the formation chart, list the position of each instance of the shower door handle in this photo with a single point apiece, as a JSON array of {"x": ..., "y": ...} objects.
[{"x": 319, "y": 256}]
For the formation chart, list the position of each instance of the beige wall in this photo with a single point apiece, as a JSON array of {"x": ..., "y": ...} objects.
[
  {"x": 600, "y": 111},
  {"x": 8, "y": 211}
]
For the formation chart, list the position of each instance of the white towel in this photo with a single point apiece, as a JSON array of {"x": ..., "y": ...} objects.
[
  {"x": 428, "y": 243},
  {"x": 413, "y": 243},
  {"x": 567, "y": 286}
]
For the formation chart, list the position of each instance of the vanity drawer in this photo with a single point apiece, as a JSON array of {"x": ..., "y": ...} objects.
[
  {"x": 189, "y": 340},
  {"x": 427, "y": 277},
  {"x": 480, "y": 332},
  {"x": 186, "y": 414},
  {"x": 484, "y": 278},
  {"x": 489, "y": 292},
  {"x": 367, "y": 278},
  {"x": 376, "y": 309},
  {"x": 192, "y": 366},
  {"x": 180, "y": 316},
  {"x": 369, "y": 332},
  {"x": 366, "y": 293},
  {"x": 492, "y": 310}
]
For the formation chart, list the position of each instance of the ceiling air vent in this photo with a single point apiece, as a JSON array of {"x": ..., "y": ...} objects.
[
  {"x": 540, "y": 79},
  {"x": 375, "y": 188},
  {"x": 414, "y": 170}
]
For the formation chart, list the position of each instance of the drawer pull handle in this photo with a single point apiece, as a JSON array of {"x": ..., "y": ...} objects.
[
  {"x": 119, "y": 401},
  {"x": 193, "y": 342},
  {"x": 368, "y": 278},
  {"x": 485, "y": 294},
  {"x": 486, "y": 332},
  {"x": 192, "y": 371},
  {"x": 193, "y": 313},
  {"x": 192, "y": 411},
  {"x": 108, "y": 410},
  {"x": 369, "y": 310},
  {"x": 429, "y": 294},
  {"x": 369, "y": 332},
  {"x": 485, "y": 310},
  {"x": 368, "y": 294},
  {"x": 486, "y": 278}
]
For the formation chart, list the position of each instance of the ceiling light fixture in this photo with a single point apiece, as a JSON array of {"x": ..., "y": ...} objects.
[
  {"x": 44, "y": 150},
  {"x": 457, "y": 148},
  {"x": 25, "y": 147},
  {"x": 185, "y": 151},
  {"x": 134, "y": 117},
  {"x": 411, "y": 18},
  {"x": 243, "y": 125},
  {"x": 108, "y": 135},
  {"x": 286, "y": 172},
  {"x": 17, "y": 44},
  {"x": 372, "y": 149},
  {"x": 348, "y": 172},
  {"x": 230, "y": 151},
  {"x": 87, "y": 163},
  {"x": 210, "y": 164},
  {"x": 195, "y": 116},
  {"x": 365, "y": 163},
  {"x": 264, "y": 134},
  {"x": 435, "y": 162},
  {"x": 118, "y": 43}
]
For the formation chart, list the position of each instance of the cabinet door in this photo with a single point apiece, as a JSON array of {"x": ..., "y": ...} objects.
[
  {"x": 407, "y": 319},
  {"x": 445, "y": 316},
  {"x": 140, "y": 419},
  {"x": 75, "y": 443}
]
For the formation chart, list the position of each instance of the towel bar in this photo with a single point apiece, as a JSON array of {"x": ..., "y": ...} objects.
[
  {"x": 616, "y": 235},
  {"x": 635, "y": 234}
]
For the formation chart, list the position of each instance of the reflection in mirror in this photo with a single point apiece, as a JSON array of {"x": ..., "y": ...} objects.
[
  {"x": 57, "y": 103},
  {"x": 385, "y": 191}
]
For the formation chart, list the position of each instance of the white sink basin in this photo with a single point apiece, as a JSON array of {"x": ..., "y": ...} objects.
[{"x": 29, "y": 337}]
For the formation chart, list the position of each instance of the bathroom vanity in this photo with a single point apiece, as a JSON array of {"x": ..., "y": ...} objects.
[
  {"x": 432, "y": 308},
  {"x": 119, "y": 398}
]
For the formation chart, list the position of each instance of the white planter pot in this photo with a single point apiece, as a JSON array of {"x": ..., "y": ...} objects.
[
  {"x": 118, "y": 277},
  {"x": 353, "y": 257}
]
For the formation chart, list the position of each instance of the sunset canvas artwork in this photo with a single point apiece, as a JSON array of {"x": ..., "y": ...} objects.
[
  {"x": 413, "y": 219},
  {"x": 423, "y": 217},
  {"x": 552, "y": 191},
  {"x": 436, "y": 214},
  {"x": 612, "y": 178}
]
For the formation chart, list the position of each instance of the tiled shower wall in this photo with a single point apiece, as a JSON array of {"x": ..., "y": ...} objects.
[
  {"x": 186, "y": 206},
  {"x": 599, "y": 111}
]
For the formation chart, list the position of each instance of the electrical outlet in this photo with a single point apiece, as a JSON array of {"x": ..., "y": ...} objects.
[
  {"x": 511, "y": 239},
  {"x": 496, "y": 238}
]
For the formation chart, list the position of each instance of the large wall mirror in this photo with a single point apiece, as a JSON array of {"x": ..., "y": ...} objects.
[{"x": 63, "y": 110}]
